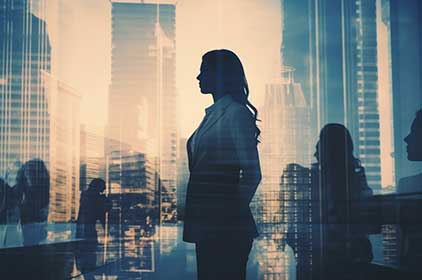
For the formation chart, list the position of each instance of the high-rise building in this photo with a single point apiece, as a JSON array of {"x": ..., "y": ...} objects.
[
  {"x": 182, "y": 176},
  {"x": 297, "y": 48},
  {"x": 141, "y": 128},
  {"x": 285, "y": 139},
  {"x": 345, "y": 75},
  {"x": 92, "y": 159},
  {"x": 64, "y": 145},
  {"x": 24, "y": 56},
  {"x": 403, "y": 18},
  {"x": 296, "y": 198},
  {"x": 142, "y": 97},
  {"x": 406, "y": 59}
]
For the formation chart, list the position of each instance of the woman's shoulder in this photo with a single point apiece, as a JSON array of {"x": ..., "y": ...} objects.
[{"x": 238, "y": 110}]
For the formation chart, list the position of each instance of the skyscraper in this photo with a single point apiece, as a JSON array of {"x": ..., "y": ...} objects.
[
  {"x": 182, "y": 176},
  {"x": 406, "y": 56},
  {"x": 346, "y": 75},
  {"x": 64, "y": 149},
  {"x": 141, "y": 129},
  {"x": 24, "y": 55},
  {"x": 296, "y": 197},
  {"x": 285, "y": 139},
  {"x": 92, "y": 160},
  {"x": 142, "y": 97}
]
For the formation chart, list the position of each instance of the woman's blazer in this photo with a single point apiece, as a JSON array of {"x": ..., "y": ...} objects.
[{"x": 218, "y": 195}]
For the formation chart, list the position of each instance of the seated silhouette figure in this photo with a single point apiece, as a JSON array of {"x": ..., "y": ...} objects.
[
  {"x": 338, "y": 184},
  {"x": 411, "y": 241},
  {"x": 224, "y": 171}
]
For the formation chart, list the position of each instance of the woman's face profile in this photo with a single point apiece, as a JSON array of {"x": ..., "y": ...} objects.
[
  {"x": 206, "y": 79},
  {"x": 414, "y": 147}
]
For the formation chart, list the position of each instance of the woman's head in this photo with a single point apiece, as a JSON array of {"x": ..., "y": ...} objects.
[
  {"x": 34, "y": 180},
  {"x": 222, "y": 74},
  {"x": 12, "y": 173},
  {"x": 335, "y": 145},
  {"x": 414, "y": 139},
  {"x": 97, "y": 185}
]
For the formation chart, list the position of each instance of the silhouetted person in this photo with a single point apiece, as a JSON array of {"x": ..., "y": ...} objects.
[
  {"x": 10, "y": 227},
  {"x": 93, "y": 207},
  {"x": 13, "y": 199},
  {"x": 3, "y": 210},
  {"x": 411, "y": 247},
  {"x": 33, "y": 180},
  {"x": 339, "y": 185},
  {"x": 224, "y": 171}
]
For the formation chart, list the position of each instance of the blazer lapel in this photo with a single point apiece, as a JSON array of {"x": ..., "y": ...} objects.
[
  {"x": 209, "y": 123},
  {"x": 189, "y": 151}
]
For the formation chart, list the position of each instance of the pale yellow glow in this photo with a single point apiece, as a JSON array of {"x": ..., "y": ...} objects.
[
  {"x": 82, "y": 49},
  {"x": 251, "y": 28}
]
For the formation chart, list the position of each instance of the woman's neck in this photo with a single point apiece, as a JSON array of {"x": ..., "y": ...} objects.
[{"x": 217, "y": 96}]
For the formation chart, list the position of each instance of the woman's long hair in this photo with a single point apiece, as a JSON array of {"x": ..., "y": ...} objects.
[
  {"x": 231, "y": 78},
  {"x": 34, "y": 180},
  {"x": 339, "y": 168}
]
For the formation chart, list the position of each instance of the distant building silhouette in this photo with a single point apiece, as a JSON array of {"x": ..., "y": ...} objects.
[
  {"x": 92, "y": 158},
  {"x": 64, "y": 160},
  {"x": 296, "y": 197},
  {"x": 142, "y": 91},
  {"x": 346, "y": 75},
  {"x": 24, "y": 55},
  {"x": 285, "y": 138},
  {"x": 405, "y": 19},
  {"x": 182, "y": 176}
]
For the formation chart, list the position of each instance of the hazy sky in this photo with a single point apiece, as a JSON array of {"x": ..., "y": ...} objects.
[{"x": 251, "y": 28}]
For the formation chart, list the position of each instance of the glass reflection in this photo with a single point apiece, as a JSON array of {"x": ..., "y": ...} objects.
[{"x": 105, "y": 90}]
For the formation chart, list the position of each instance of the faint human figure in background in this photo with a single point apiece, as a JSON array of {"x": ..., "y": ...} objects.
[
  {"x": 33, "y": 180},
  {"x": 339, "y": 185},
  {"x": 411, "y": 243},
  {"x": 224, "y": 171},
  {"x": 414, "y": 153},
  {"x": 93, "y": 207},
  {"x": 13, "y": 194},
  {"x": 3, "y": 211}
]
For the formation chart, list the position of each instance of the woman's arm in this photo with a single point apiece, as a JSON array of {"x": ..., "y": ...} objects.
[{"x": 243, "y": 133}]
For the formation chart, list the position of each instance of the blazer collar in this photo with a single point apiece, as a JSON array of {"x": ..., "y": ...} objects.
[
  {"x": 214, "y": 112},
  {"x": 220, "y": 105}
]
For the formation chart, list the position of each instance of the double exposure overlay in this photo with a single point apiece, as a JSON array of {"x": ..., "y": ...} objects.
[{"x": 128, "y": 151}]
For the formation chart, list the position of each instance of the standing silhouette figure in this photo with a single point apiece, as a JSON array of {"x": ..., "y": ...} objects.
[
  {"x": 33, "y": 180},
  {"x": 92, "y": 207},
  {"x": 224, "y": 171}
]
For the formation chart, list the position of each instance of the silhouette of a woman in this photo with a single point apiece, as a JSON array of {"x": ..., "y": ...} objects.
[
  {"x": 224, "y": 171},
  {"x": 339, "y": 184}
]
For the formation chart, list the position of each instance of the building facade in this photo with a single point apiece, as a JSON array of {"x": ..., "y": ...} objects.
[
  {"x": 24, "y": 55},
  {"x": 64, "y": 149},
  {"x": 142, "y": 96},
  {"x": 345, "y": 75}
]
